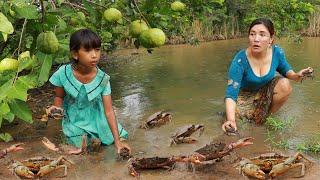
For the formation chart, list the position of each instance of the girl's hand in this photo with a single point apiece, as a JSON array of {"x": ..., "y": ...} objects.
[
  {"x": 229, "y": 124},
  {"x": 305, "y": 73},
  {"x": 121, "y": 145},
  {"x": 55, "y": 112}
]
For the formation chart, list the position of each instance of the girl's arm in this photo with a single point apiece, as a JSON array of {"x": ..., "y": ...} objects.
[
  {"x": 58, "y": 99},
  {"x": 113, "y": 124}
]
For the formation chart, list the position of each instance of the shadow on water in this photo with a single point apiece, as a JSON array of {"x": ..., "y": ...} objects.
[{"x": 190, "y": 81}]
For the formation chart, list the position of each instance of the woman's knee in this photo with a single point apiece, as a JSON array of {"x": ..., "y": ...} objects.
[{"x": 284, "y": 87}]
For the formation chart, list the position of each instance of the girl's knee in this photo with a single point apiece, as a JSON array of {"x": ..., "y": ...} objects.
[{"x": 284, "y": 87}]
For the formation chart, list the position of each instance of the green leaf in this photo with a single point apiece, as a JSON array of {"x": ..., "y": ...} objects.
[
  {"x": 5, "y": 88},
  {"x": 9, "y": 117},
  {"x": 27, "y": 11},
  {"x": 6, "y": 137},
  {"x": 25, "y": 63},
  {"x": 4, "y": 108},
  {"x": 45, "y": 68},
  {"x": 29, "y": 81},
  {"x": 18, "y": 91},
  {"x": 21, "y": 109},
  {"x": 5, "y": 36},
  {"x": 1, "y": 119},
  {"x": 5, "y": 25}
]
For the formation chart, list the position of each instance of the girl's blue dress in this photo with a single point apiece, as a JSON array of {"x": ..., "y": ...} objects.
[{"x": 83, "y": 106}]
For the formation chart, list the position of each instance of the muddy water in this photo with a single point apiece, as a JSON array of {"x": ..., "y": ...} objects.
[{"x": 189, "y": 82}]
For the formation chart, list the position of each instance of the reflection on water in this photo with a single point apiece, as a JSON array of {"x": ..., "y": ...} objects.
[{"x": 190, "y": 82}]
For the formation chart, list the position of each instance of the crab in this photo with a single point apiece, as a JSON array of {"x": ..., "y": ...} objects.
[
  {"x": 183, "y": 134},
  {"x": 307, "y": 74},
  {"x": 66, "y": 149},
  {"x": 156, "y": 119},
  {"x": 231, "y": 131},
  {"x": 289, "y": 163},
  {"x": 124, "y": 154},
  {"x": 209, "y": 152},
  {"x": 150, "y": 163},
  {"x": 38, "y": 167},
  {"x": 271, "y": 164},
  {"x": 52, "y": 112},
  {"x": 216, "y": 151},
  {"x": 267, "y": 160}
]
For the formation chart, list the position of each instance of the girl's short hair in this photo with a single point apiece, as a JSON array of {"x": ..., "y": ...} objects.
[
  {"x": 84, "y": 38},
  {"x": 264, "y": 21}
]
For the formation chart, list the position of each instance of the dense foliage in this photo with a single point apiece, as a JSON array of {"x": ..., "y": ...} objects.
[{"x": 22, "y": 21}]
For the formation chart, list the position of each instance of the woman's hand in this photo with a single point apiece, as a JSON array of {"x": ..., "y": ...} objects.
[
  {"x": 228, "y": 125},
  {"x": 305, "y": 73}
]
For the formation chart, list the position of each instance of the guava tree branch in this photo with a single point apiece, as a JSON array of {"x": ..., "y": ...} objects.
[
  {"x": 136, "y": 5},
  {"x": 73, "y": 5}
]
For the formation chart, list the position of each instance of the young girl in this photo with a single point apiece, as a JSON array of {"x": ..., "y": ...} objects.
[{"x": 84, "y": 92}]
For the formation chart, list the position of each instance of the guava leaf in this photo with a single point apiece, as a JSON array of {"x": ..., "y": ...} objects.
[
  {"x": 21, "y": 110},
  {"x": 4, "y": 89},
  {"x": 6, "y": 137},
  {"x": 29, "y": 81},
  {"x": 5, "y": 25},
  {"x": 4, "y": 108},
  {"x": 27, "y": 11},
  {"x": 45, "y": 68},
  {"x": 18, "y": 91},
  {"x": 5, "y": 36},
  {"x": 25, "y": 63},
  {"x": 9, "y": 117}
]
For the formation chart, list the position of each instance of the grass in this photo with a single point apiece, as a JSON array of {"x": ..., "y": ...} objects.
[{"x": 275, "y": 124}]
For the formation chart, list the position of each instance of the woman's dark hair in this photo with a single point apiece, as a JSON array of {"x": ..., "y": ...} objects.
[
  {"x": 266, "y": 22},
  {"x": 84, "y": 38}
]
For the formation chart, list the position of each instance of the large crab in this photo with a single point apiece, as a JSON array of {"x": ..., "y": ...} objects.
[
  {"x": 156, "y": 119},
  {"x": 183, "y": 134},
  {"x": 150, "y": 163},
  {"x": 271, "y": 164},
  {"x": 216, "y": 151},
  {"x": 213, "y": 151},
  {"x": 38, "y": 166}
]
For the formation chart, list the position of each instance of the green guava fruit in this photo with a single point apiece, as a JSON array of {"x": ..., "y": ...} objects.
[
  {"x": 151, "y": 38},
  {"x": 178, "y": 6},
  {"x": 112, "y": 15},
  {"x": 47, "y": 42},
  {"x": 137, "y": 27},
  {"x": 81, "y": 16},
  {"x": 8, "y": 64}
]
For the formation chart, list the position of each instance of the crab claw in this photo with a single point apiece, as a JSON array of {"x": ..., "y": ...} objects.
[
  {"x": 249, "y": 169},
  {"x": 132, "y": 171},
  {"x": 253, "y": 171},
  {"x": 242, "y": 142},
  {"x": 197, "y": 158},
  {"x": 15, "y": 147},
  {"x": 49, "y": 144},
  {"x": 22, "y": 171}
]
